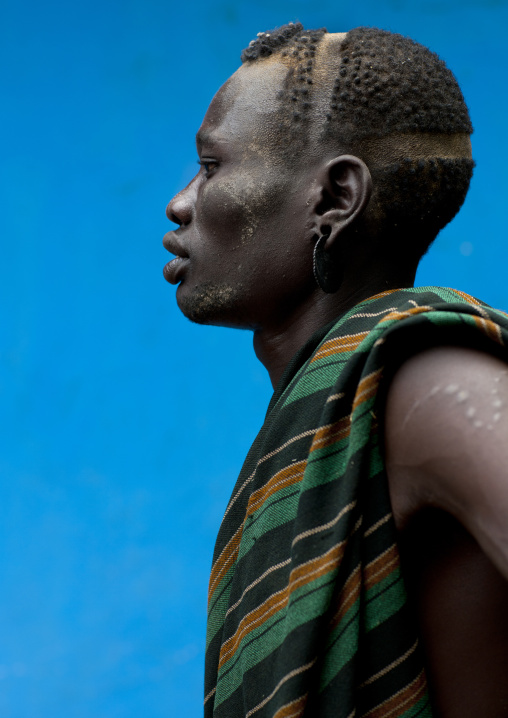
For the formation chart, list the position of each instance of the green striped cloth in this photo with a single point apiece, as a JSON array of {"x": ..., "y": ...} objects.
[{"x": 307, "y": 606}]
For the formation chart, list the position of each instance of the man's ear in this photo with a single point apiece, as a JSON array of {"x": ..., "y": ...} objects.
[{"x": 345, "y": 188}]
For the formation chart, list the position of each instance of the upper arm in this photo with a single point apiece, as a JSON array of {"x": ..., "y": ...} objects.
[{"x": 446, "y": 441}]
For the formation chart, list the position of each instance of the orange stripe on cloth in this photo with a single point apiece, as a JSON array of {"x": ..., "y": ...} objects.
[
  {"x": 490, "y": 328},
  {"x": 373, "y": 573},
  {"x": 382, "y": 566},
  {"x": 406, "y": 313},
  {"x": 300, "y": 576},
  {"x": 367, "y": 388},
  {"x": 402, "y": 701},
  {"x": 467, "y": 297},
  {"x": 348, "y": 596},
  {"x": 338, "y": 345},
  {"x": 291, "y": 474},
  {"x": 294, "y": 709},
  {"x": 225, "y": 561},
  {"x": 331, "y": 433}
]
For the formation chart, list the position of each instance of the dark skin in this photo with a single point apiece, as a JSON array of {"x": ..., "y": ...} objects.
[
  {"x": 248, "y": 223},
  {"x": 446, "y": 427}
]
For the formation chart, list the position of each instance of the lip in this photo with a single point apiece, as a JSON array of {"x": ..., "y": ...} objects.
[
  {"x": 174, "y": 270},
  {"x": 171, "y": 243}
]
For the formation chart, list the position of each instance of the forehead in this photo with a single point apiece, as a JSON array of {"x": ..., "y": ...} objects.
[{"x": 246, "y": 107}]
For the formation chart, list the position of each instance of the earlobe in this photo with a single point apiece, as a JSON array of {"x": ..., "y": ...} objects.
[{"x": 327, "y": 272}]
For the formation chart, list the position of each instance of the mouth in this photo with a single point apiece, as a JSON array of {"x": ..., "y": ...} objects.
[{"x": 175, "y": 269}]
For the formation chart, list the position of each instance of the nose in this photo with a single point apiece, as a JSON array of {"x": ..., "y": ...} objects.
[{"x": 180, "y": 209}]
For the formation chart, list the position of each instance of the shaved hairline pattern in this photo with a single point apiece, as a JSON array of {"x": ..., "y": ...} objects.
[{"x": 393, "y": 103}]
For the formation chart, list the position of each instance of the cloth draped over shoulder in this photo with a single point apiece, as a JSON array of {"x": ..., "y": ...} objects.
[{"x": 307, "y": 610}]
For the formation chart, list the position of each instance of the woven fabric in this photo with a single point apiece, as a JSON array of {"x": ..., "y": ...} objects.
[{"x": 307, "y": 605}]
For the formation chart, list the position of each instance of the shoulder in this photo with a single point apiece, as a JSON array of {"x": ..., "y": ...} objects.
[{"x": 446, "y": 429}]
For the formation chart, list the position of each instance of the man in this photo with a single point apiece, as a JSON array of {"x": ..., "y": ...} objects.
[{"x": 329, "y": 162}]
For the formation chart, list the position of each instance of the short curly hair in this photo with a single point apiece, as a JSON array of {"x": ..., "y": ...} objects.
[{"x": 383, "y": 84}]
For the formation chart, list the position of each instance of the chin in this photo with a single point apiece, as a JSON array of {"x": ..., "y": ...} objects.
[{"x": 210, "y": 303}]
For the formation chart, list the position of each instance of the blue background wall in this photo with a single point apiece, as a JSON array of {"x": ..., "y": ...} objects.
[{"x": 108, "y": 509}]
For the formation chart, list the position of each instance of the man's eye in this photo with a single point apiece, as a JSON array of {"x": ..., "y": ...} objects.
[{"x": 208, "y": 166}]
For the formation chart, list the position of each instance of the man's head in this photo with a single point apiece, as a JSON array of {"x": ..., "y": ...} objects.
[
  {"x": 243, "y": 216},
  {"x": 393, "y": 103},
  {"x": 361, "y": 136}
]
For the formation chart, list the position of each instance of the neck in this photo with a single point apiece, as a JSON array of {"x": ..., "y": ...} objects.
[{"x": 276, "y": 345}]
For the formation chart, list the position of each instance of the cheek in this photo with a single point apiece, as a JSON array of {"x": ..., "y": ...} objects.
[{"x": 236, "y": 208}]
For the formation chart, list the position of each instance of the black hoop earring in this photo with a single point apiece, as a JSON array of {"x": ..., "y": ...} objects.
[{"x": 326, "y": 272}]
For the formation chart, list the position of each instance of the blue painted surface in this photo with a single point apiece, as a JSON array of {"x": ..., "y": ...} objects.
[{"x": 109, "y": 512}]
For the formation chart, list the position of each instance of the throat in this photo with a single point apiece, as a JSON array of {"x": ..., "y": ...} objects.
[{"x": 275, "y": 345}]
